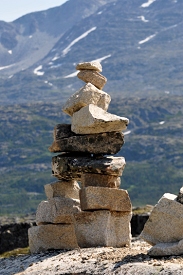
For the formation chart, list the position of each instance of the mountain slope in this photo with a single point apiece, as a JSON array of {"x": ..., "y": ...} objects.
[
  {"x": 139, "y": 44},
  {"x": 29, "y": 38}
]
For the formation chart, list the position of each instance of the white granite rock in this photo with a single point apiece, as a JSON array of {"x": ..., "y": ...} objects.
[
  {"x": 57, "y": 210},
  {"x": 52, "y": 236},
  {"x": 165, "y": 223},
  {"x": 66, "y": 189},
  {"x": 92, "y": 119},
  {"x": 92, "y": 77},
  {"x": 88, "y": 94},
  {"x": 167, "y": 249},
  {"x": 92, "y": 65},
  {"x": 103, "y": 228},
  {"x": 97, "y": 198}
]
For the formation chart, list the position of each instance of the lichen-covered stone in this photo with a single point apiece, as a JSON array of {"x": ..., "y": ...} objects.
[
  {"x": 92, "y": 65},
  {"x": 69, "y": 167},
  {"x": 103, "y": 228},
  {"x": 52, "y": 236},
  {"x": 100, "y": 180},
  {"x": 97, "y": 198},
  {"x": 88, "y": 94},
  {"x": 57, "y": 210},
  {"x": 66, "y": 189},
  {"x": 92, "y": 119},
  {"x": 92, "y": 77},
  {"x": 102, "y": 143},
  {"x": 165, "y": 223}
]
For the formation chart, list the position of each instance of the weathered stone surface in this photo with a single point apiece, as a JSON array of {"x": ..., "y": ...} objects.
[
  {"x": 103, "y": 228},
  {"x": 180, "y": 196},
  {"x": 167, "y": 249},
  {"x": 52, "y": 236},
  {"x": 66, "y": 189},
  {"x": 62, "y": 131},
  {"x": 88, "y": 94},
  {"x": 92, "y": 77},
  {"x": 92, "y": 119},
  {"x": 57, "y": 210},
  {"x": 67, "y": 166},
  {"x": 165, "y": 222},
  {"x": 100, "y": 180},
  {"x": 96, "y": 198},
  {"x": 102, "y": 143},
  {"x": 92, "y": 65}
]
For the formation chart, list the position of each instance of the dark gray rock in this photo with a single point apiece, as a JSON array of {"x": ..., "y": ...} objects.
[
  {"x": 180, "y": 196},
  {"x": 69, "y": 166},
  {"x": 103, "y": 143}
]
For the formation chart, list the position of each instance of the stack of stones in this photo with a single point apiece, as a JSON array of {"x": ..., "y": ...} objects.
[{"x": 98, "y": 213}]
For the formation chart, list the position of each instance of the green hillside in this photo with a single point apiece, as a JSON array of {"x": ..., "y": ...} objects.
[{"x": 153, "y": 150}]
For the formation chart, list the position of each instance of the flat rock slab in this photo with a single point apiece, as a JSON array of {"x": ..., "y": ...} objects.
[
  {"x": 69, "y": 167},
  {"x": 57, "y": 210},
  {"x": 92, "y": 77},
  {"x": 92, "y": 119},
  {"x": 100, "y": 180},
  {"x": 102, "y": 143},
  {"x": 92, "y": 65},
  {"x": 167, "y": 249},
  {"x": 103, "y": 228},
  {"x": 66, "y": 189},
  {"x": 52, "y": 236},
  {"x": 62, "y": 131},
  {"x": 97, "y": 198},
  {"x": 89, "y": 94},
  {"x": 165, "y": 223}
]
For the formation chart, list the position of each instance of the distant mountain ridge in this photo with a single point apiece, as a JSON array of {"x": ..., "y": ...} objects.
[{"x": 139, "y": 43}]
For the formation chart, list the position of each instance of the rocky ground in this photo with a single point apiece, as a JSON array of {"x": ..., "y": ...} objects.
[{"x": 100, "y": 260}]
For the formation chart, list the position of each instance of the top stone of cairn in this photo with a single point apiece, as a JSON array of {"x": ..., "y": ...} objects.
[{"x": 93, "y": 65}]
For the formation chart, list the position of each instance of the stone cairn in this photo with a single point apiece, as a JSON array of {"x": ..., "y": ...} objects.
[{"x": 98, "y": 213}]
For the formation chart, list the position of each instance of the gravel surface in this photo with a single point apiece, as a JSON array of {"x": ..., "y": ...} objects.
[{"x": 100, "y": 260}]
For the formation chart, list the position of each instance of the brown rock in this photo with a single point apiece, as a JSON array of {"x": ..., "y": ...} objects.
[
  {"x": 88, "y": 94},
  {"x": 52, "y": 236},
  {"x": 102, "y": 143},
  {"x": 57, "y": 210},
  {"x": 96, "y": 198},
  {"x": 92, "y": 120},
  {"x": 92, "y": 77},
  {"x": 66, "y": 189},
  {"x": 103, "y": 228},
  {"x": 69, "y": 167},
  {"x": 100, "y": 180},
  {"x": 92, "y": 65}
]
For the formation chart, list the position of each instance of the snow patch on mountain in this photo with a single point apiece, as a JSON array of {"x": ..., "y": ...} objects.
[
  {"x": 143, "y": 18},
  {"x": 71, "y": 75},
  {"x": 37, "y": 70},
  {"x": 147, "y": 39},
  {"x": 147, "y": 4},
  {"x": 6, "y": 67},
  {"x": 102, "y": 58},
  {"x": 67, "y": 49}
]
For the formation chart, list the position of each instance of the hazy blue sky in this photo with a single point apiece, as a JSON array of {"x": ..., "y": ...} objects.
[{"x": 13, "y": 9}]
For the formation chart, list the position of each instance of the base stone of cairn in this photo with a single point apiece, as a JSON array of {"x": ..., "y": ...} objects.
[
  {"x": 164, "y": 228},
  {"x": 103, "y": 228},
  {"x": 99, "y": 213}
]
